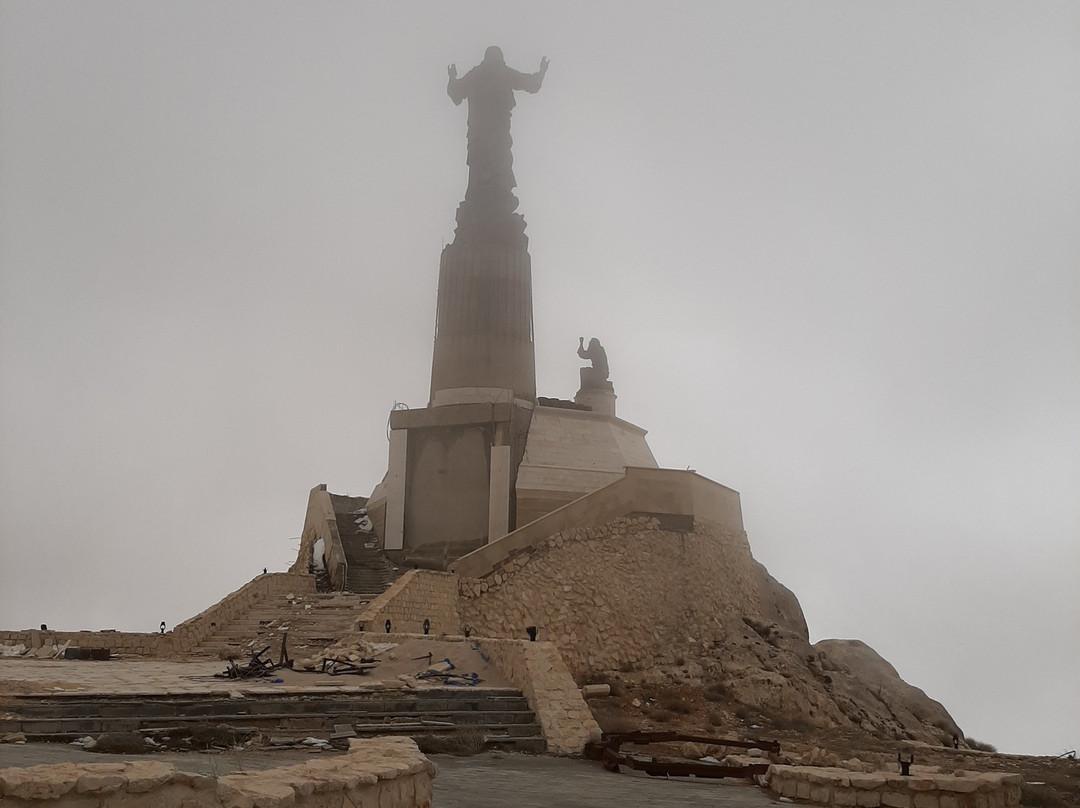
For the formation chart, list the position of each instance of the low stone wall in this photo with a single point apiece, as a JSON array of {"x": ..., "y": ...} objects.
[
  {"x": 41, "y": 643},
  {"x": 538, "y": 670},
  {"x": 416, "y": 596},
  {"x": 191, "y": 632},
  {"x": 923, "y": 789},
  {"x": 183, "y": 638},
  {"x": 377, "y": 772}
]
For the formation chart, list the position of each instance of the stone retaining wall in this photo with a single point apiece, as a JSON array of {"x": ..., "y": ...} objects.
[
  {"x": 537, "y": 669},
  {"x": 923, "y": 789},
  {"x": 416, "y": 596},
  {"x": 626, "y": 594},
  {"x": 376, "y": 773}
]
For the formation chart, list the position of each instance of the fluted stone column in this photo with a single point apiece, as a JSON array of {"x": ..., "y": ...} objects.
[{"x": 484, "y": 322}]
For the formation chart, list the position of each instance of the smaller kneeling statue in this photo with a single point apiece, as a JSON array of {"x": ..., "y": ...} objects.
[
  {"x": 596, "y": 375},
  {"x": 597, "y": 392}
]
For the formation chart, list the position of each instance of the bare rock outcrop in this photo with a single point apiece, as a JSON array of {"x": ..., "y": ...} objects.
[{"x": 771, "y": 665}]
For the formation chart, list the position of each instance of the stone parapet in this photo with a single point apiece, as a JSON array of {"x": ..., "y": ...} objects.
[
  {"x": 416, "y": 596},
  {"x": 667, "y": 492},
  {"x": 377, "y": 773},
  {"x": 538, "y": 670},
  {"x": 193, "y": 631},
  {"x": 923, "y": 789}
]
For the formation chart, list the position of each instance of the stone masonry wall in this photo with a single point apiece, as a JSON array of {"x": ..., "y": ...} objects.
[
  {"x": 416, "y": 596},
  {"x": 376, "y": 773},
  {"x": 42, "y": 643},
  {"x": 537, "y": 669},
  {"x": 622, "y": 594},
  {"x": 183, "y": 637},
  {"x": 923, "y": 789},
  {"x": 191, "y": 632}
]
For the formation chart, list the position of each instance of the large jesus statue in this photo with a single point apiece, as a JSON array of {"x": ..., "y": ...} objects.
[{"x": 487, "y": 214}]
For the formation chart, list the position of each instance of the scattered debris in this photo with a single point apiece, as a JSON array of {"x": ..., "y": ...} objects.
[
  {"x": 255, "y": 667},
  {"x": 607, "y": 751}
]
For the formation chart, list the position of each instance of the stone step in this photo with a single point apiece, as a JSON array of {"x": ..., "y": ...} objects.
[
  {"x": 502, "y": 715},
  {"x": 516, "y": 724},
  {"x": 434, "y": 700}
]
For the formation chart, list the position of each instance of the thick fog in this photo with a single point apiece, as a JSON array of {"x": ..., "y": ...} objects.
[{"x": 832, "y": 250}]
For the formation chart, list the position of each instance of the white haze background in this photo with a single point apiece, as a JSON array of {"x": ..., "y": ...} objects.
[{"x": 831, "y": 248}]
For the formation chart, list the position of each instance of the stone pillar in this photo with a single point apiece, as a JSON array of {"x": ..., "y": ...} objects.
[
  {"x": 484, "y": 326},
  {"x": 395, "y": 494},
  {"x": 499, "y": 493}
]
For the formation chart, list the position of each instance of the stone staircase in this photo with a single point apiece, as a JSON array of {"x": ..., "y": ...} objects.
[
  {"x": 370, "y": 572},
  {"x": 313, "y": 621},
  {"x": 501, "y": 715}
]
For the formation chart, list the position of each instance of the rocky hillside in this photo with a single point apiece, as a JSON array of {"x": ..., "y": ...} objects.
[
  {"x": 765, "y": 672},
  {"x": 676, "y": 608}
]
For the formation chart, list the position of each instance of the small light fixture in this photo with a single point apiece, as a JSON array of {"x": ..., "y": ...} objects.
[
  {"x": 532, "y": 633},
  {"x": 387, "y": 626},
  {"x": 905, "y": 765},
  {"x": 427, "y": 626}
]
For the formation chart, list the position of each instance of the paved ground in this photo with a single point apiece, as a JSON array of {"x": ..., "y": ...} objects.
[
  {"x": 494, "y": 781},
  {"x": 130, "y": 676},
  {"x": 485, "y": 781}
]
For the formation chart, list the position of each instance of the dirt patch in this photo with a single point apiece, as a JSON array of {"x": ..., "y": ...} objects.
[{"x": 22, "y": 687}]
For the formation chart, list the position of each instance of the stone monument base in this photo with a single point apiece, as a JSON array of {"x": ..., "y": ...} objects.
[{"x": 599, "y": 399}]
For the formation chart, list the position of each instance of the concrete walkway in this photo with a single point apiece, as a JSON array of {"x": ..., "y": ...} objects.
[{"x": 490, "y": 780}]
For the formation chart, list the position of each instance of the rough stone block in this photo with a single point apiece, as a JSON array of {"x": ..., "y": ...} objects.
[
  {"x": 922, "y": 784},
  {"x": 927, "y": 800},
  {"x": 868, "y": 781},
  {"x": 844, "y": 796},
  {"x": 895, "y": 799},
  {"x": 146, "y": 775},
  {"x": 100, "y": 783},
  {"x": 820, "y": 794},
  {"x": 867, "y": 799}
]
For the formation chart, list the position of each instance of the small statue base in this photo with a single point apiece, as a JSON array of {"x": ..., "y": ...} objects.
[{"x": 596, "y": 394}]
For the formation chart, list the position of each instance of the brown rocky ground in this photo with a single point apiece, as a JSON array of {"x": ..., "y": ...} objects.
[
  {"x": 834, "y": 702},
  {"x": 711, "y": 711}
]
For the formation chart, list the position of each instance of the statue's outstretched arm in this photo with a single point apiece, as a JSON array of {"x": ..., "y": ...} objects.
[
  {"x": 530, "y": 83},
  {"x": 453, "y": 86}
]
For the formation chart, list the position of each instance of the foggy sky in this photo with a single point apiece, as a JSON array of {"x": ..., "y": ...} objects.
[{"x": 831, "y": 249}]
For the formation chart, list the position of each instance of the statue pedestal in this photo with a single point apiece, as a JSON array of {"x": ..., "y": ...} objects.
[
  {"x": 483, "y": 330},
  {"x": 598, "y": 395}
]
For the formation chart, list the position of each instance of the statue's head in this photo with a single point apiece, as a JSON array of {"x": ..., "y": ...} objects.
[
  {"x": 494, "y": 55},
  {"x": 594, "y": 343}
]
